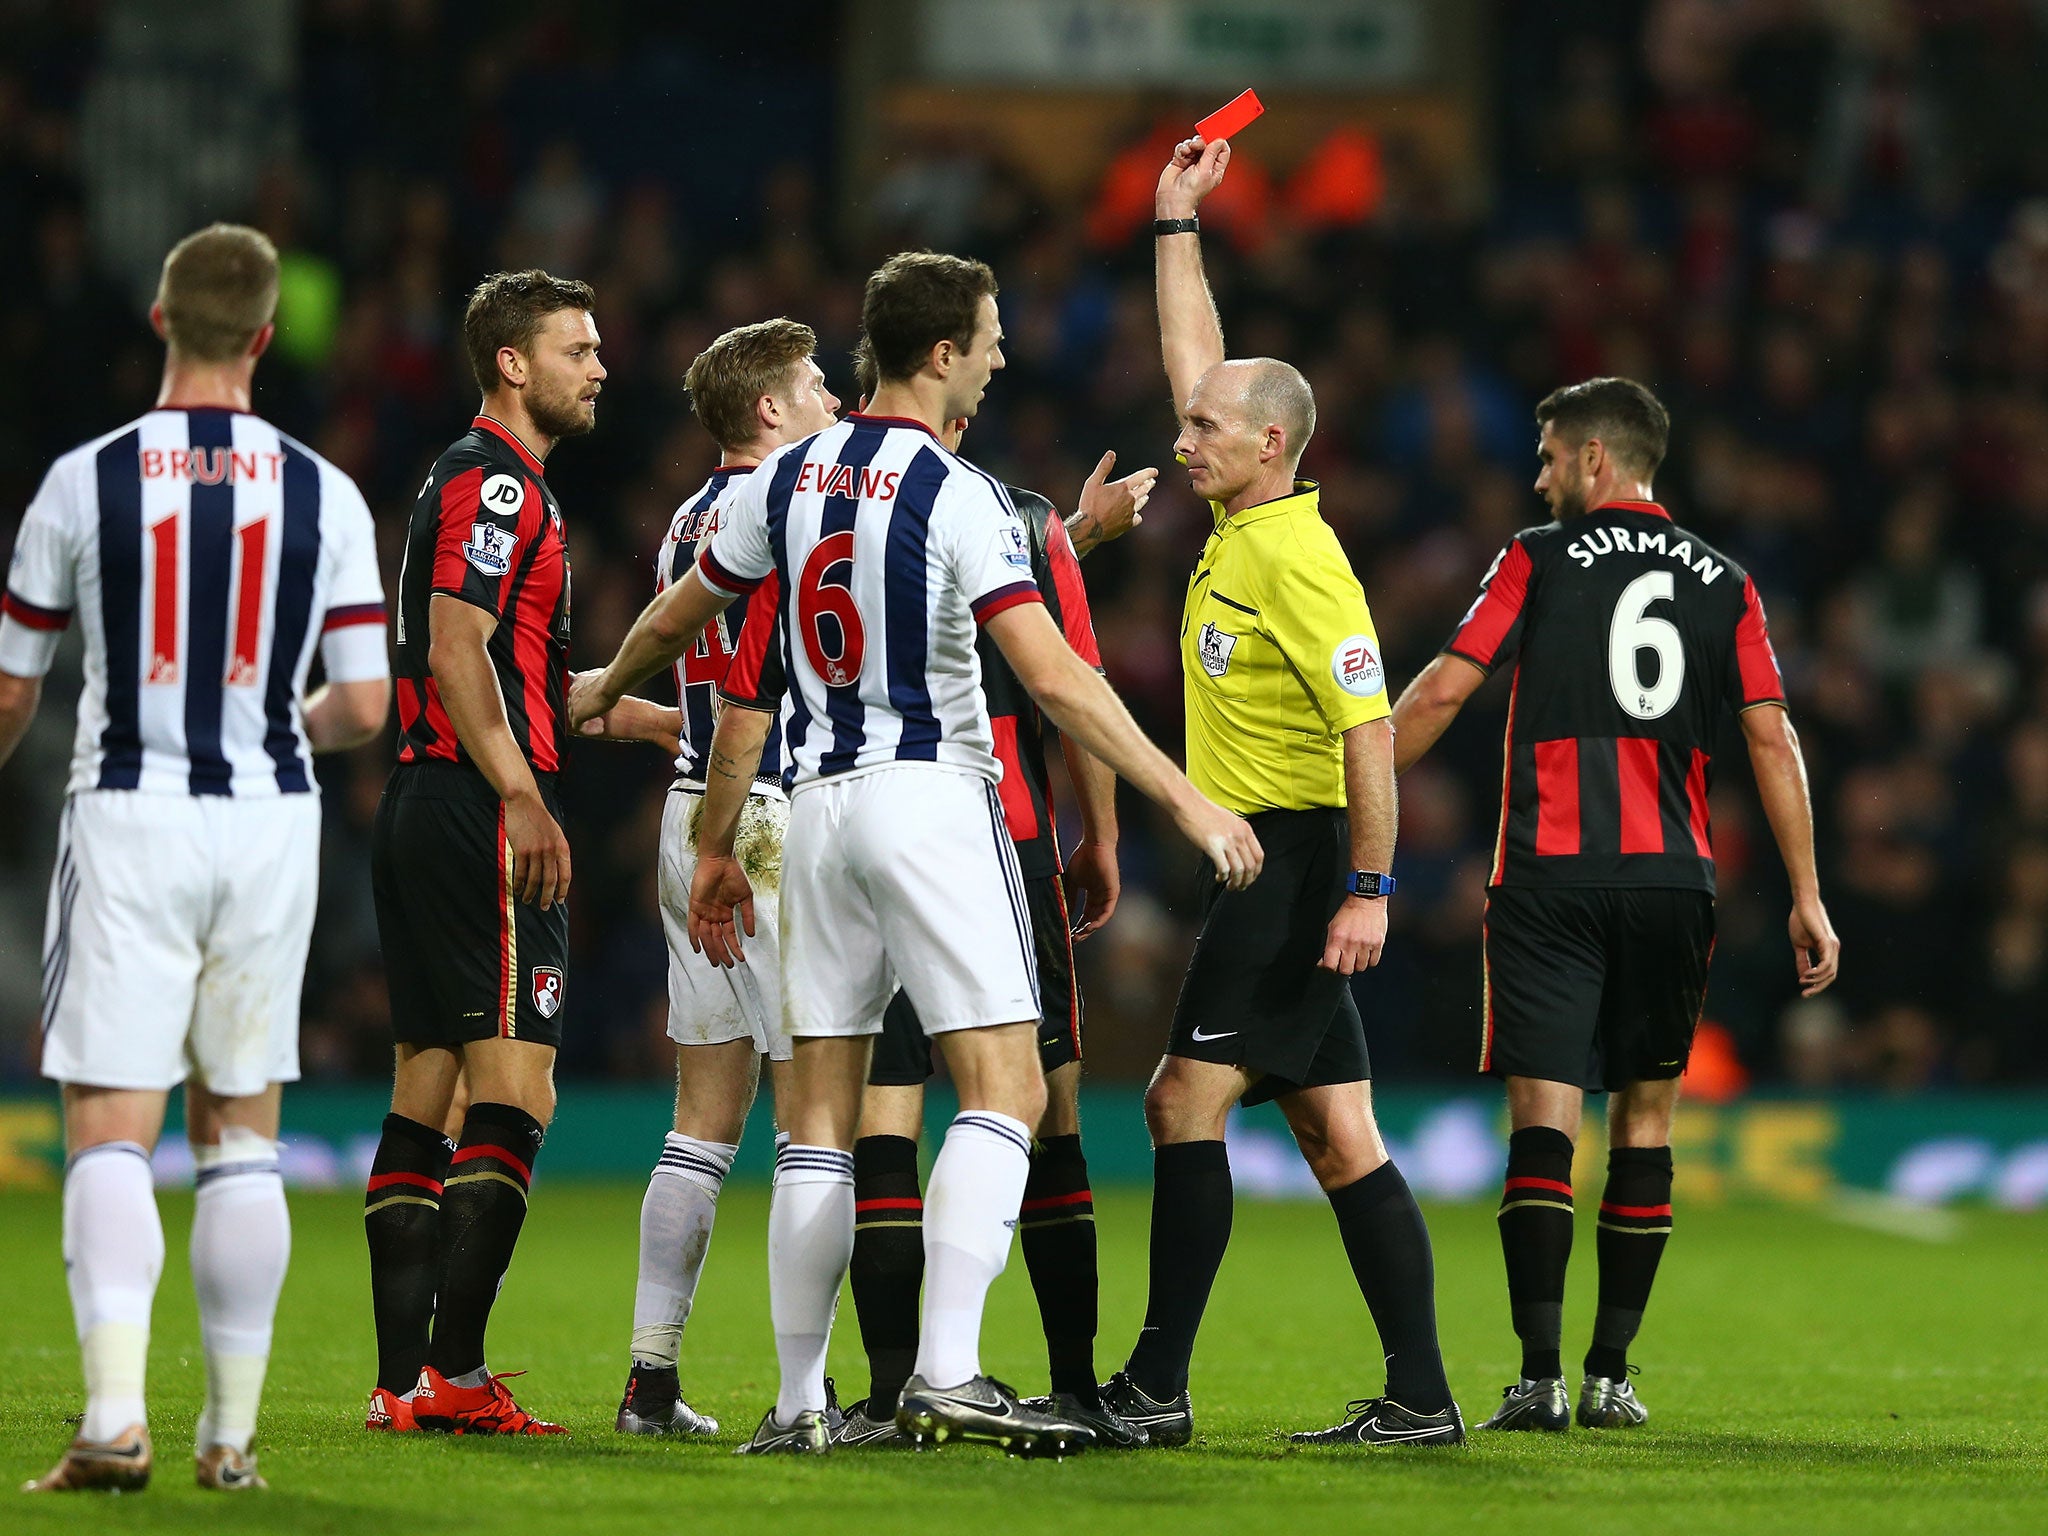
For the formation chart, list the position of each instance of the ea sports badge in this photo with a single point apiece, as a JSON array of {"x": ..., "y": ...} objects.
[
  {"x": 547, "y": 990},
  {"x": 1355, "y": 664}
]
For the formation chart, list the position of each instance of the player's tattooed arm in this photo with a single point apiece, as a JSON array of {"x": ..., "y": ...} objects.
[
  {"x": 721, "y": 896},
  {"x": 1108, "y": 509},
  {"x": 1190, "y": 332}
]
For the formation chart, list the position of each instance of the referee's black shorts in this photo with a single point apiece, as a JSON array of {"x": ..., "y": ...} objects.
[
  {"x": 1599, "y": 987},
  {"x": 1255, "y": 996},
  {"x": 903, "y": 1052},
  {"x": 464, "y": 957}
]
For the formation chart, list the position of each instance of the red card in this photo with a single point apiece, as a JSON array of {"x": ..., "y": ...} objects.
[{"x": 1227, "y": 122}]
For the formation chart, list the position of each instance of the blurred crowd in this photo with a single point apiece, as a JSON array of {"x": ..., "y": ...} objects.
[{"x": 1819, "y": 230}]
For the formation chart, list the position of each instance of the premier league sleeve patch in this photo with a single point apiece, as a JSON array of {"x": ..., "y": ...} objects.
[
  {"x": 1215, "y": 646},
  {"x": 1016, "y": 549},
  {"x": 490, "y": 549},
  {"x": 1355, "y": 664}
]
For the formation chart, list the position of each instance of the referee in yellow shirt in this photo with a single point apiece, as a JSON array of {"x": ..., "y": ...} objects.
[{"x": 1287, "y": 712}]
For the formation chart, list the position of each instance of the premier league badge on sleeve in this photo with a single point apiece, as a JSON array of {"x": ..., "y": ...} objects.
[
  {"x": 1216, "y": 646},
  {"x": 490, "y": 549},
  {"x": 1015, "y": 548}
]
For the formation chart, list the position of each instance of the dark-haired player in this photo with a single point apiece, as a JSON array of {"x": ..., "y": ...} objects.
[
  {"x": 468, "y": 861},
  {"x": 1629, "y": 637}
]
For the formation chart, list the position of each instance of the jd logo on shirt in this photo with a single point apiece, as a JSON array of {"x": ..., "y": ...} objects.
[{"x": 1216, "y": 644}]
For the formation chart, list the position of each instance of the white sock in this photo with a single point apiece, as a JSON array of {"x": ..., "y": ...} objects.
[
  {"x": 675, "y": 1234},
  {"x": 810, "y": 1243},
  {"x": 970, "y": 1212},
  {"x": 241, "y": 1244},
  {"x": 113, "y": 1256}
]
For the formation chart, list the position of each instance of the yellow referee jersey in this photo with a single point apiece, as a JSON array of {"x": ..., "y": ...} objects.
[{"x": 1279, "y": 658}]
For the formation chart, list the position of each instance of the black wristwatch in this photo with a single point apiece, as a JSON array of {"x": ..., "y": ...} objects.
[
  {"x": 1175, "y": 227},
  {"x": 1370, "y": 883}
]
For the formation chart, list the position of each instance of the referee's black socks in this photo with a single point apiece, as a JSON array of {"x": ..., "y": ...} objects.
[
  {"x": 402, "y": 1220},
  {"x": 888, "y": 1262},
  {"x": 1388, "y": 1245},
  {"x": 483, "y": 1207},
  {"x": 1057, "y": 1229},
  {"x": 1536, "y": 1240},
  {"x": 1635, "y": 1224},
  {"x": 1191, "y": 1210}
]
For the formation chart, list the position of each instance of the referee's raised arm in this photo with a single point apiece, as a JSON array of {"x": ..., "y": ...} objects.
[{"x": 1190, "y": 334}]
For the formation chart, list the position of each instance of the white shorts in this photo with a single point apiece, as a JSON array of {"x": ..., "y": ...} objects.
[
  {"x": 176, "y": 940},
  {"x": 709, "y": 1004},
  {"x": 903, "y": 875}
]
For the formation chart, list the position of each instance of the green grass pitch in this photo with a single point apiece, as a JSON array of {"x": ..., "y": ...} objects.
[{"x": 1801, "y": 1375}]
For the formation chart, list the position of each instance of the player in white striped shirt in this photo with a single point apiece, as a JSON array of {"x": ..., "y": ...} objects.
[
  {"x": 898, "y": 865},
  {"x": 206, "y": 556}
]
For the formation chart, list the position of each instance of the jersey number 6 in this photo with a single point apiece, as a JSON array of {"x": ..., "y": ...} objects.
[
  {"x": 1632, "y": 632},
  {"x": 825, "y": 591}
]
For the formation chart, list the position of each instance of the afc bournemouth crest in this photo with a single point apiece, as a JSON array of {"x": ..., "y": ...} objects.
[
  {"x": 547, "y": 990},
  {"x": 1216, "y": 646}
]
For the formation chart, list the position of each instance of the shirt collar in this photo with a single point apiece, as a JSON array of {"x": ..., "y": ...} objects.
[
  {"x": 1655, "y": 509},
  {"x": 1305, "y": 497},
  {"x": 497, "y": 428},
  {"x": 892, "y": 421}
]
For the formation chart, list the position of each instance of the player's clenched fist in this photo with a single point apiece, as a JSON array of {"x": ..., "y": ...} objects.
[
  {"x": 589, "y": 697},
  {"x": 1225, "y": 838},
  {"x": 720, "y": 893}
]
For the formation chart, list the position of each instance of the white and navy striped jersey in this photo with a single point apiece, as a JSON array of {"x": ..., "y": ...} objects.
[
  {"x": 204, "y": 553},
  {"x": 701, "y": 673},
  {"x": 889, "y": 551}
]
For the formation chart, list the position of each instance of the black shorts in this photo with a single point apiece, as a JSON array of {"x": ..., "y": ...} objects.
[
  {"x": 903, "y": 1051},
  {"x": 1598, "y": 987},
  {"x": 1255, "y": 996},
  {"x": 464, "y": 958}
]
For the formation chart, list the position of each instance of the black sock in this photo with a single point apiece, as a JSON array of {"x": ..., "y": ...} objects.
[
  {"x": 1536, "y": 1241},
  {"x": 1635, "y": 1223},
  {"x": 1191, "y": 1210},
  {"x": 402, "y": 1219},
  {"x": 1057, "y": 1226},
  {"x": 888, "y": 1261},
  {"x": 483, "y": 1209},
  {"x": 1388, "y": 1245}
]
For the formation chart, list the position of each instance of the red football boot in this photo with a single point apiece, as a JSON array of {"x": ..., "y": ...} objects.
[
  {"x": 437, "y": 1403},
  {"x": 390, "y": 1413}
]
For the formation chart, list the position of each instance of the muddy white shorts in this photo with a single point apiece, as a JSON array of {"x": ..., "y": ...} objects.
[
  {"x": 905, "y": 876},
  {"x": 176, "y": 940},
  {"x": 709, "y": 1004}
]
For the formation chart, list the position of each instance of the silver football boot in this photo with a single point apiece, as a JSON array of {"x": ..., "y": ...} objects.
[
  {"x": 1540, "y": 1404},
  {"x": 1607, "y": 1403},
  {"x": 985, "y": 1411}
]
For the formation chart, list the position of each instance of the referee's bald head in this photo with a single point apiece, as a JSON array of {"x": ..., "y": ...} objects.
[{"x": 1267, "y": 393}]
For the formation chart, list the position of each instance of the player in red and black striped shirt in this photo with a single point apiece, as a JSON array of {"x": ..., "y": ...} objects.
[
  {"x": 468, "y": 861},
  {"x": 1628, "y": 637}
]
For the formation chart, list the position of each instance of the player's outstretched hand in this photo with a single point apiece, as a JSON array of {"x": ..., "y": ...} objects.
[
  {"x": 589, "y": 698},
  {"x": 1815, "y": 949},
  {"x": 1357, "y": 936},
  {"x": 1195, "y": 171},
  {"x": 1093, "y": 884},
  {"x": 720, "y": 893},
  {"x": 1108, "y": 509},
  {"x": 540, "y": 851},
  {"x": 1225, "y": 838}
]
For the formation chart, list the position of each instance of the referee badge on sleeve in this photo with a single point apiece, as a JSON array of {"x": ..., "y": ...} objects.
[
  {"x": 1356, "y": 666},
  {"x": 1216, "y": 646}
]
